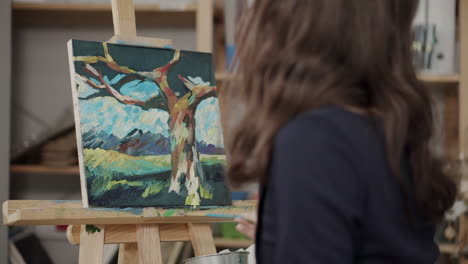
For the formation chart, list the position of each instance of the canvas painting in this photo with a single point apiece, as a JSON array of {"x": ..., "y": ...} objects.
[{"x": 148, "y": 126}]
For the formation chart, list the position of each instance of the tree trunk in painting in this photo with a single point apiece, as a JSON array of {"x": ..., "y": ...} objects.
[
  {"x": 184, "y": 154},
  {"x": 185, "y": 158}
]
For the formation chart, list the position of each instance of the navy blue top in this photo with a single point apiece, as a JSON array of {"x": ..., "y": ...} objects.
[{"x": 332, "y": 199}]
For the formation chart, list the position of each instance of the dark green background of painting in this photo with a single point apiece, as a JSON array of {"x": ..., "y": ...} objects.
[{"x": 195, "y": 64}]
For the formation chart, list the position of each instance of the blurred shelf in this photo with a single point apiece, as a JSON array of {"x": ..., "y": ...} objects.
[
  {"x": 232, "y": 243},
  {"x": 443, "y": 80},
  {"x": 439, "y": 79},
  {"x": 88, "y": 14},
  {"x": 43, "y": 169},
  {"x": 449, "y": 248}
]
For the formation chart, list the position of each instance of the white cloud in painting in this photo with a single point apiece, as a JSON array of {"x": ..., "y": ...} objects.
[
  {"x": 109, "y": 115},
  {"x": 140, "y": 90},
  {"x": 198, "y": 81},
  {"x": 207, "y": 118}
]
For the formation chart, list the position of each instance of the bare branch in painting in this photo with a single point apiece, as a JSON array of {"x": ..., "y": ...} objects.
[
  {"x": 161, "y": 79},
  {"x": 106, "y": 52},
  {"x": 158, "y": 75},
  {"x": 111, "y": 64},
  {"x": 190, "y": 85},
  {"x": 201, "y": 93},
  {"x": 89, "y": 82},
  {"x": 198, "y": 92},
  {"x": 106, "y": 59},
  {"x": 122, "y": 98}
]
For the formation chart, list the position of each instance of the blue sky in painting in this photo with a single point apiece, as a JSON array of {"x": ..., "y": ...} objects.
[{"x": 108, "y": 115}]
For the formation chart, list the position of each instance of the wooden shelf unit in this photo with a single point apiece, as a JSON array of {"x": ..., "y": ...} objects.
[
  {"x": 74, "y": 14},
  {"x": 430, "y": 80},
  {"x": 232, "y": 243},
  {"x": 451, "y": 80},
  {"x": 43, "y": 169}
]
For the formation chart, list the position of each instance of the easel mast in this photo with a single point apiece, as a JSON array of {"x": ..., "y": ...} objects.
[{"x": 123, "y": 15}]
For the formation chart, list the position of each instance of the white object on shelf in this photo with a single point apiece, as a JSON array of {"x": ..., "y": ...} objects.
[
  {"x": 441, "y": 14},
  {"x": 457, "y": 210}
]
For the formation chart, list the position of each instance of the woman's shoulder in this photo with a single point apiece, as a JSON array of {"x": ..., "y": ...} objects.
[
  {"x": 333, "y": 138},
  {"x": 328, "y": 122},
  {"x": 316, "y": 148}
]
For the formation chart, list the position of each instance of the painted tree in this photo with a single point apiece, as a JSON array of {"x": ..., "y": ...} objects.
[{"x": 185, "y": 157}]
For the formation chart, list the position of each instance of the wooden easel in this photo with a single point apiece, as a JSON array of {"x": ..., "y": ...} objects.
[{"x": 138, "y": 231}]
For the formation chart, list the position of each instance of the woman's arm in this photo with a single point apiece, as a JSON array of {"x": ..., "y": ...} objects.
[
  {"x": 247, "y": 224},
  {"x": 318, "y": 194}
]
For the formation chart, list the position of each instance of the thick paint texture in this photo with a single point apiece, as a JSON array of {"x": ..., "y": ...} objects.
[{"x": 149, "y": 126}]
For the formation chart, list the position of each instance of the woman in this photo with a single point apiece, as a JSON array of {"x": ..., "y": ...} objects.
[{"x": 337, "y": 128}]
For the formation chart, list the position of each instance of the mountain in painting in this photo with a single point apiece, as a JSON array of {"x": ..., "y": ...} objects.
[
  {"x": 94, "y": 139},
  {"x": 210, "y": 149},
  {"x": 137, "y": 143}
]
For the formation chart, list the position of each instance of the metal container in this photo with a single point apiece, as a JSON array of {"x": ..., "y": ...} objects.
[{"x": 224, "y": 258}]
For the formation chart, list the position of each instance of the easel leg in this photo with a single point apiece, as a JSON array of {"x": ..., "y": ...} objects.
[
  {"x": 91, "y": 245},
  {"x": 149, "y": 244},
  {"x": 128, "y": 253},
  {"x": 202, "y": 239}
]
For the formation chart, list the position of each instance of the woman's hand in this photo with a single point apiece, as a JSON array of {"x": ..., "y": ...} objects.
[{"x": 247, "y": 225}]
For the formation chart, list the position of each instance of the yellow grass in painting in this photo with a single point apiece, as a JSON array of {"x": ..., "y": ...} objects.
[
  {"x": 111, "y": 165},
  {"x": 111, "y": 184},
  {"x": 205, "y": 193},
  {"x": 94, "y": 158},
  {"x": 213, "y": 159},
  {"x": 154, "y": 188},
  {"x": 109, "y": 160}
]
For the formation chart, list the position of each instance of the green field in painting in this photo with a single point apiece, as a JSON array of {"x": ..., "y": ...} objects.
[{"x": 122, "y": 180}]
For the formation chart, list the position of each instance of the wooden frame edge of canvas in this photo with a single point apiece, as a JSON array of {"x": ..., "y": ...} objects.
[
  {"x": 76, "y": 110},
  {"x": 141, "y": 41}
]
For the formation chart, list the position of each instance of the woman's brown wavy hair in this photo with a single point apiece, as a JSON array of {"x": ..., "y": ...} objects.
[{"x": 297, "y": 55}]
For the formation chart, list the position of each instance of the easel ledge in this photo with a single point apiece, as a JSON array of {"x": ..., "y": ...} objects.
[{"x": 38, "y": 212}]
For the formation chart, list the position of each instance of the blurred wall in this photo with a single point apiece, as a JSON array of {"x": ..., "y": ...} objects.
[{"x": 5, "y": 87}]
